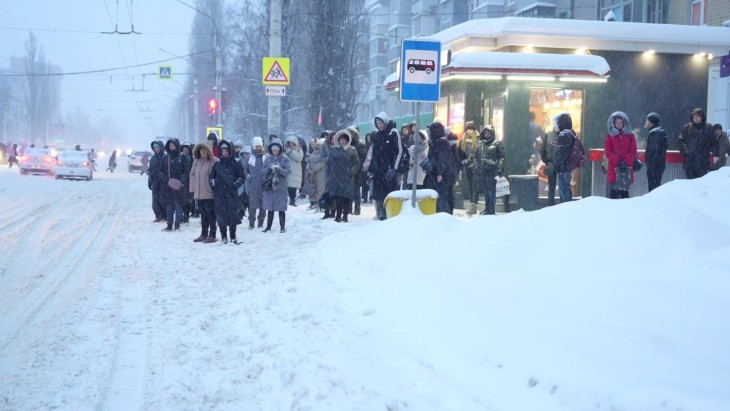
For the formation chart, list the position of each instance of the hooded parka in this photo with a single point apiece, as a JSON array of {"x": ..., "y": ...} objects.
[
  {"x": 343, "y": 164},
  {"x": 172, "y": 167},
  {"x": 695, "y": 144},
  {"x": 200, "y": 173},
  {"x": 227, "y": 175},
  {"x": 387, "y": 151},
  {"x": 254, "y": 177},
  {"x": 620, "y": 146},
  {"x": 275, "y": 199},
  {"x": 315, "y": 172},
  {"x": 296, "y": 156}
]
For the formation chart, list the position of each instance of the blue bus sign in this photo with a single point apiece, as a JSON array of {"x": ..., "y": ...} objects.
[{"x": 420, "y": 70}]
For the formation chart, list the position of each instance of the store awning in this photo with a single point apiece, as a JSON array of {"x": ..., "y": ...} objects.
[{"x": 496, "y": 65}]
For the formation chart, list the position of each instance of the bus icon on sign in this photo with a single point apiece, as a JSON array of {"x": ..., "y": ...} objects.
[{"x": 421, "y": 65}]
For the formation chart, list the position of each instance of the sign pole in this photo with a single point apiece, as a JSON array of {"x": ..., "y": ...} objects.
[{"x": 416, "y": 140}]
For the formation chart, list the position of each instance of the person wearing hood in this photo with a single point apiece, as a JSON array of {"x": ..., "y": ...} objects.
[
  {"x": 695, "y": 144},
  {"x": 213, "y": 140},
  {"x": 468, "y": 144},
  {"x": 112, "y": 162},
  {"x": 386, "y": 158},
  {"x": 254, "y": 179},
  {"x": 186, "y": 153},
  {"x": 226, "y": 177},
  {"x": 154, "y": 181},
  {"x": 656, "y": 151},
  {"x": 315, "y": 174},
  {"x": 343, "y": 164},
  {"x": 367, "y": 188},
  {"x": 548, "y": 152},
  {"x": 173, "y": 179},
  {"x": 560, "y": 166},
  {"x": 275, "y": 171},
  {"x": 620, "y": 149},
  {"x": 419, "y": 153},
  {"x": 360, "y": 182},
  {"x": 445, "y": 166},
  {"x": 489, "y": 160},
  {"x": 203, "y": 162},
  {"x": 720, "y": 146},
  {"x": 296, "y": 156}
]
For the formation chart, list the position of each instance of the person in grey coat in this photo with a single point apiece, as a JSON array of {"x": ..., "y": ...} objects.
[
  {"x": 275, "y": 172},
  {"x": 254, "y": 177},
  {"x": 226, "y": 177},
  {"x": 343, "y": 164}
]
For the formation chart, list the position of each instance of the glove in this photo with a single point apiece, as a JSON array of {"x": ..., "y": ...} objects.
[
  {"x": 211, "y": 182},
  {"x": 390, "y": 175},
  {"x": 622, "y": 165}
]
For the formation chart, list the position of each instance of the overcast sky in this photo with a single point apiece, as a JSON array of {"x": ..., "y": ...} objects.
[{"x": 70, "y": 33}]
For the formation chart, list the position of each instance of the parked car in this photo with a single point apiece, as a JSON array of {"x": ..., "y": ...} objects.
[
  {"x": 74, "y": 164},
  {"x": 37, "y": 160},
  {"x": 135, "y": 160}
]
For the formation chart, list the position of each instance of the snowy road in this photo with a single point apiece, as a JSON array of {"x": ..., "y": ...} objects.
[{"x": 102, "y": 310}]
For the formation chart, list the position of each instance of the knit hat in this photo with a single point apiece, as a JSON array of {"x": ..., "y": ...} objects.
[
  {"x": 257, "y": 141},
  {"x": 246, "y": 149},
  {"x": 653, "y": 118},
  {"x": 470, "y": 125}
]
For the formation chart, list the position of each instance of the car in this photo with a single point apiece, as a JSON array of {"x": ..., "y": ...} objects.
[
  {"x": 74, "y": 164},
  {"x": 135, "y": 160},
  {"x": 37, "y": 160}
]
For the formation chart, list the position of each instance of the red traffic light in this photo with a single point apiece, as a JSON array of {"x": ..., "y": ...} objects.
[{"x": 212, "y": 105}]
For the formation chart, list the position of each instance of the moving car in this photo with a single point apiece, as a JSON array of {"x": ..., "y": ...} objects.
[
  {"x": 74, "y": 164},
  {"x": 37, "y": 160},
  {"x": 135, "y": 160}
]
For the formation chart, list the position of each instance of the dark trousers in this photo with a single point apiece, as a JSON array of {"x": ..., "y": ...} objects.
[
  {"x": 693, "y": 172},
  {"x": 472, "y": 189},
  {"x": 174, "y": 210},
  {"x": 552, "y": 182},
  {"x": 207, "y": 217},
  {"x": 380, "y": 209},
  {"x": 616, "y": 194},
  {"x": 232, "y": 229},
  {"x": 356, "y": 198},
  {"x": 292, "y": 195},
  {"x": 342, "y": 207},
  {"x": 365, "y": 192},
  {"x": 654, "y": 177},
  {"x": 566, "y": 192},
  {"x": 253, "y": 217},
  {"x": 270, "y": 219},
  {"x": 490, "y": 194},
  {"x": 157, "y": 207}
]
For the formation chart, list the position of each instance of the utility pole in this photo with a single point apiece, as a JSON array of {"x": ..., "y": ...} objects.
[
  {"x": 196, "y": 112},
  {"x": 274, "y": 122},
  {"x": 218, "y": 70}
]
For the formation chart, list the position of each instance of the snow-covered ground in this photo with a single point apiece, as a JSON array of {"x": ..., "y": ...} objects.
[{"x": 596, "y": 304}]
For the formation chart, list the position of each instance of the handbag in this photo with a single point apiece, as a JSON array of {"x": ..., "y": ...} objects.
[
  {"x": 325, "y": 201},
  {"x": 428, "y": 166},
  {"x": 173, "y": 183},
  {"x": 637, "y": 164},
  {"x": 502, "y": 186}
]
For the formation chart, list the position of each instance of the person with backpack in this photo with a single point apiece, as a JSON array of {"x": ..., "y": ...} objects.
[
  {"x": 620, "y": 149},
  {"x": 548, "y": 149},
  {"x": 656, "y": 151},
  {"x": 561, "y": 166}
]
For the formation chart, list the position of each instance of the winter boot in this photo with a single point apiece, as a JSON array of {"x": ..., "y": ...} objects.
[
  {"x": 327, "y": 214},
  {"x": 177, "y": 226},
  {"x": 210, "y": 239},
  {"x": 269, "y": 221},
  {"x": 250, "y": 225},
  {"x": 344, "y": 216},
  {"x": 168, "y": 228},
  {"x": 203, "y": 236},
  {"x": 282, "y": 222},
  {"x": 472, "y": 209},
  {"x": 338, "y": 215}
]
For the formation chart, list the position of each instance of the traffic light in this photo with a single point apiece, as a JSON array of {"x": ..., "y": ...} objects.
[{"x": 212, "y": 107}]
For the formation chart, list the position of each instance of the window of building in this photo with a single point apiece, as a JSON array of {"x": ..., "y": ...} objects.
[
  {"x": 698, "y": 12},
  {"x": 624, "y": 10},
  {"x": 657, "y": 11}
]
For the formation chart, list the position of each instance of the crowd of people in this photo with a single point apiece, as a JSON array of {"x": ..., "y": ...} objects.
[{"x": 225, "y": 183}]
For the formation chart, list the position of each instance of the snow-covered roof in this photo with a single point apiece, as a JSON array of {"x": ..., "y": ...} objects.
[
  {"x": 496, "y": 33},
  {"x": 499, "y": 63},
  {"x": 535, "y": 4}
]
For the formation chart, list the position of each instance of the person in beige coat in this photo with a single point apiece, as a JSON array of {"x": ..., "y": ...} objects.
[
  {"x": 203, "y": 161},
  {"x": 315, "y": 174},
  {"x": 296, "y": 155}
]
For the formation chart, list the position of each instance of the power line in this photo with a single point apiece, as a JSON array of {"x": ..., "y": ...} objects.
[
  {"x": 106, "y": 69},
  {"x": 93, "y": 32}
]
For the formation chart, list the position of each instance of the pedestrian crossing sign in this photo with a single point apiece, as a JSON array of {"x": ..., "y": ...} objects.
[
  {"x": 164, "y": 72},
  {"x": 276, "y": 71}
]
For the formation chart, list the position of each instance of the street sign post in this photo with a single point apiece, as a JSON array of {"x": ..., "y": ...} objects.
[
  {"x": 276, "y": 71},
  {"x": 279, "y": 91},
  {"x": 164, "y": 72},
  {"x": 420, "y": 70},
  {"x": 420, "y": 81}
]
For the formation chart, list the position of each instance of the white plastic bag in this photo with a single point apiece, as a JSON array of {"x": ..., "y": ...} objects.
[{"x": 502, "y": 186}]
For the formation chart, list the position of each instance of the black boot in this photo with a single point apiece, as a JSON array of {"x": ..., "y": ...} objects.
[
  {"x": 344, "y": 215},
  {"x": 269, "y": 221},
  {"x": 203, "y": 236},
  {"x": 282, "y": 222},
  {"x": 250, "y": 224},
  {"x": 177, "y": 225},
  {"x": 327, "y": 214},
  {"x": 168, "y": 228},
  {"x": 338, "y": 215}
]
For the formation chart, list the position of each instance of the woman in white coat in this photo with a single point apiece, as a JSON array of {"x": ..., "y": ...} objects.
[{"x": 295, "y": 155}]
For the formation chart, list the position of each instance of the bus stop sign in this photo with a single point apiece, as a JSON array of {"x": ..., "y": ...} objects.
[{"x": 420, "y": 70}]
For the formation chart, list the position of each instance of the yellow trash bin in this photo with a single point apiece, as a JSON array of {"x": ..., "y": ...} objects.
[{"x": 426, "y": 200}]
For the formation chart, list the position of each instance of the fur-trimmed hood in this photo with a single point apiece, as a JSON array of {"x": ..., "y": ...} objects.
[
  {"x": 612, "y": 129},
  {"x": 343, "y": 133},
  {"x": 203, "y": 146}
]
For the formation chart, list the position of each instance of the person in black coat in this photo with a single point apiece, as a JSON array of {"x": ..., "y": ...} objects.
[
  {"x": 445, "y": 169},
  {"x": 171, "y": 169},
  {"x": 386, "y": 157},
  {"x": 362, "y": 152},
  {"x": 187, "y": 157},
  {"x": 489, "y": 159},
  {"x": 656, "y": 151},
  {"x": 153, "y": 180},
  {"x": 695, "y": 144},
  {"x": 561, "y": 167},
  {"x": 226, "y": 177}
]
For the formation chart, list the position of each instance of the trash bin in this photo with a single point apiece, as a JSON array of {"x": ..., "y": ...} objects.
[
  {"x": 524, "y": 189},
  {"x": 426, "y": 200}
]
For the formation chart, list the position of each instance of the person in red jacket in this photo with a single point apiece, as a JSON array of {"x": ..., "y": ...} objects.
[{"x": 620, "y": 150}]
